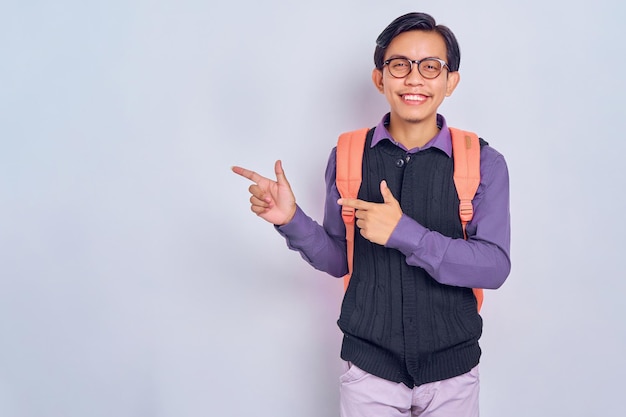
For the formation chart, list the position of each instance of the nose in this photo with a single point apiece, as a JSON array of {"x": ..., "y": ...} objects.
[{"x": 414, "y": 77}]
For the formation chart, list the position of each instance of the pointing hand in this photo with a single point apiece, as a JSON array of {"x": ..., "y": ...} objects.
[
  {"x": 376, "y": 221},
  {"x": 271, "y": 200}
]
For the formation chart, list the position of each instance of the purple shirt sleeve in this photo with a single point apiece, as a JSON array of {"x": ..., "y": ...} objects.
[
  {"x": 483, "y": 261},
  {"x": 324, "y": 247}
]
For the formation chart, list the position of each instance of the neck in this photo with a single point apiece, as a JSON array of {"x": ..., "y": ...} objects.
[{"x": 413, "y": 134}]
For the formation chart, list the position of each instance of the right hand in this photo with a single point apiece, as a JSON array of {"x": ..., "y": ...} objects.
[{"x": 271, "y": 200}]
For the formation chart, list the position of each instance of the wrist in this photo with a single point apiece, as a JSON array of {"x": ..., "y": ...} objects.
[{"x": 289, "y": 217}]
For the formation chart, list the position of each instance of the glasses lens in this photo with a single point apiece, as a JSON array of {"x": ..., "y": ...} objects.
[
  {"x": 399, "y": 67},
  {"x": 430, "y": 68}
]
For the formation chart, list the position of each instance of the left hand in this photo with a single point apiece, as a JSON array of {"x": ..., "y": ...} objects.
[{"x": 376, "y": 220}]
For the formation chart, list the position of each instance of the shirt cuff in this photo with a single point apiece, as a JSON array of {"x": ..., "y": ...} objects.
[
  {"x": 407, "y": 235},
  {"x": 298, "y": 226}
]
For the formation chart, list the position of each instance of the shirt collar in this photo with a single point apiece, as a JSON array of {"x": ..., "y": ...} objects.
[{"x": 441, "y": 140}]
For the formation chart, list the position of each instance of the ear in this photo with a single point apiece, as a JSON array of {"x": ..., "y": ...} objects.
[
  {"x": 453, "y": 80},
  {"x": 377, "y": 79}
]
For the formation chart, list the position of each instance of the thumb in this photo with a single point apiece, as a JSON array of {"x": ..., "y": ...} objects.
[
  {"x": 386, "y": 192},
  {"x": 281, "y": 179}
]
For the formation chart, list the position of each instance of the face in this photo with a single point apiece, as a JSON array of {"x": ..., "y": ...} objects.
[{"x": 414, "y": 100}]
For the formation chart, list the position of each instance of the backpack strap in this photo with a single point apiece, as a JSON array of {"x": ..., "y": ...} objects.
[
  {"x": 350, "y": 147},
  {"x": 466, "y": 155}
]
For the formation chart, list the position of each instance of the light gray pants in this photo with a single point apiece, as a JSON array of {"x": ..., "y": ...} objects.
[{"x": 366, "y": 395}]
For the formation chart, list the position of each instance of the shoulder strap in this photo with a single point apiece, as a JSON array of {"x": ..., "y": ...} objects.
[
  {"x": 466, "y": 154},
  {"x": 348, "y": 178}
]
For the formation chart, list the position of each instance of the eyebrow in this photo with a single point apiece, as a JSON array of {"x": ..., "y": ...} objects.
[{"x": 406, "y": 57}]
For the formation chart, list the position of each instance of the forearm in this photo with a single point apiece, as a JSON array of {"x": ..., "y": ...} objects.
[
  {"x": 322, "y": 249},
  {"x": 472, "y": 263}
]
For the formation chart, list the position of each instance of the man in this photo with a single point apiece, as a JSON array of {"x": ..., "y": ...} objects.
[{"x": 409, "y": 316}]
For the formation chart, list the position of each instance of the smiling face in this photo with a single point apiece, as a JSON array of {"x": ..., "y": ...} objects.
[{"x": 414, "y": 100}]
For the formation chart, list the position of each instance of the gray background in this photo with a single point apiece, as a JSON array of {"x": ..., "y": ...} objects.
[{"x": 134, "y": 280}]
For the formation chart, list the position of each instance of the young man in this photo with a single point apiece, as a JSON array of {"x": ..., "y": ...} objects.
[{"x": 409, "y": 317}]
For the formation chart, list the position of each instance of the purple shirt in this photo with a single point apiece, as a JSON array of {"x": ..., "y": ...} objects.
[{"x": 481, "y": 261}]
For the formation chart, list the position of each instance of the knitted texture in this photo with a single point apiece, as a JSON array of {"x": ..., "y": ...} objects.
[{"x": 398, "y": 322}]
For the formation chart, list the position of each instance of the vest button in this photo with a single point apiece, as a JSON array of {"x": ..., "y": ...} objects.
[{"x": 400, "y": 163}]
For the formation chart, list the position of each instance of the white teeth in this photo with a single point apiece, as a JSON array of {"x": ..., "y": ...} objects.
[{"x": 414, "y": 97}]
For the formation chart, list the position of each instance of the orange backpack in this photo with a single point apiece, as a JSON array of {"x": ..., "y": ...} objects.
[{"x": 466, "y": 154}]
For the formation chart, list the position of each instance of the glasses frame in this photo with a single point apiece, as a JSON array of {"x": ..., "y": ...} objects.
[{"x": 417, "y": 62}]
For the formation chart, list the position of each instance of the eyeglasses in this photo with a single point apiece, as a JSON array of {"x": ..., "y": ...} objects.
[{"x": 428, "y": 68}]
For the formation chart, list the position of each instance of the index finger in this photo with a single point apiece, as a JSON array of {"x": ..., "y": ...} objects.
[
  {"x": 246, "y": 173},
  {"x": 354, "y": 203}
]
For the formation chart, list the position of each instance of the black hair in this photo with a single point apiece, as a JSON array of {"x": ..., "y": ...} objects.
[{"x": 417, "y": 21}]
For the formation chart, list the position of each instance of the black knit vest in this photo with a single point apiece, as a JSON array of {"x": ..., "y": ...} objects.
[{"x": 398, "y": 322}]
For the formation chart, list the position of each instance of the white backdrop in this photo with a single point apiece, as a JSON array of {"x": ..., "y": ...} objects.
[{"x": 134, "y": 280}]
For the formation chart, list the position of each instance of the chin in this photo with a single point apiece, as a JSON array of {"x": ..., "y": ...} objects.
[
  {"x": 419, "y": 117},
  {"x": 414, "y": 119}
]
